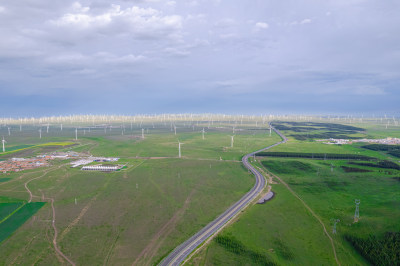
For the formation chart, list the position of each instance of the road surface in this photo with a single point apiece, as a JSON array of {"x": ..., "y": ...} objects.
[{"x": 179, "y": 254}]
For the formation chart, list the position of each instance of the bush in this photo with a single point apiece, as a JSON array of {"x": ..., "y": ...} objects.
[
  {"x": 328, "y": 156},
  {"x": 233, "y": 245},
  {"x": 383, "y": 251},
  {"x": 381, "y": 164},
  {"x": 393, "y": 150},
  {"x": 354, "y": 170}
]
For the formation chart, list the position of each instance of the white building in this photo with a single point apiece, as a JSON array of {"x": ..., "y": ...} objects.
[{"x": 101, "y": 168}]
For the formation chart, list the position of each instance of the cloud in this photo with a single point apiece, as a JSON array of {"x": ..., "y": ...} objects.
[
  {"x": 170, "y": 3},
  {"x": 225, "y": 23},
  {"x": 368, "y": 90},
  {"x": 2, "y": 9},
  {"x": 177, "y": 52},
  {"x": 305, "y": 21},
  {"x": 140, "y": 22},
  {"x": 261, "y": 25}
]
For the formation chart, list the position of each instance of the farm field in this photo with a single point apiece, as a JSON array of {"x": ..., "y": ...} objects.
[
  {"x": 283, "y": 231},
  {"x": 136, "y": 215}
]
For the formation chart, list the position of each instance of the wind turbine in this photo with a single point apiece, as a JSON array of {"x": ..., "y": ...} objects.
[
  {"x": 76, "y": 133},
  {"x": 180, "y": 149},
  {"x": 40, "y": 133},
  {"x": 175, "y": 129},
  {"x": 9, "y": 131},
  {"x": 142, "y": 133},
  {"x": 203, "y": 132},
  {"x": 47, "y": 128},
  {"x": 61, "y": 127},
  {"x": 3, "y": 141},
  {"x": 232, "y": 141},
  {"x": 20, "y": 128}
]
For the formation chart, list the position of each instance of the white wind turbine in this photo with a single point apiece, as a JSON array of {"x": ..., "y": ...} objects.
[
  {"x": 9, "y": 131},
  {"x": 232, "y": 141},
  {"x": 76, "y": 133},
  {"x": 3, "y": 141},
  {"x": 180, "y": 155},
  {"x": 142, "y": 133},
  {"x": 203, "y": 132},
  {"x": 40, "y": 133}
]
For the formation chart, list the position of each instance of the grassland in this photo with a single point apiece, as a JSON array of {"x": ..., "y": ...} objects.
[
  {"x": 136, "y": 215},
  {"x": 285, "y": 229}
]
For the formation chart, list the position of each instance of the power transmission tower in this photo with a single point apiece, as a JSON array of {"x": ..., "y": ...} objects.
[
  {"x": 335, "y": 221},
  {"x": 357, "y": 212}
]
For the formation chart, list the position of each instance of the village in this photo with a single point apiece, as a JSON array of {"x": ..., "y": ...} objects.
[
  {"x": 20, "y": 164},
  {"x": 386, "y": 141}
]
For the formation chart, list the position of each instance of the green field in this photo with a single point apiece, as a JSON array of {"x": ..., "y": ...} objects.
[
  {"x": 283, "y": 231},
  {"x": 16, "y": 216},
  {"x": 136, "y": 215},
  {"x": 141, "y": 213}
]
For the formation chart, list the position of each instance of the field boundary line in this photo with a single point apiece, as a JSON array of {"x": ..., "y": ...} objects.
[{"x": 11, "y": 214}]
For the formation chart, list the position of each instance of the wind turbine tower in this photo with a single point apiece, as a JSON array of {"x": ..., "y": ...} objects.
[
  {"x": 203, "y": 132},
  {"x": 270, "y": 130},
  {"x": 180, "y": 155},
  {"x": 9, "y": 131},
  {"x": 20, "y": 128},
  {"x": 76, "y": 133},
  {"x": 357, "y": 212},
  {"x": 40, "y": 133},
  {"x": 3, "y": 141},
  {"x": 61, "y": 127},
  {"x": 47, "y": 128},
  {"x": 232, "y": 141},
  {"x": 142, "y": 133},
  {"x": 175, "y": 129}
]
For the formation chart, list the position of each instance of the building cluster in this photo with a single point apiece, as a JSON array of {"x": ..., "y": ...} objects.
[
  {"x": 19, "y": 164},
  {"x": 61, "y": 155},
  {"x": 387, "y": 141}
]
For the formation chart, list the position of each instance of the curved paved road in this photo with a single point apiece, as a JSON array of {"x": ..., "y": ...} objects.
[{"x": 178, "y": 255}]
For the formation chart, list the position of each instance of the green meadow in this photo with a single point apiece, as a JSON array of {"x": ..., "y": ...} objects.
[
  {"x": 136, "y": 215},
  {"x": 284, "y": 231}
]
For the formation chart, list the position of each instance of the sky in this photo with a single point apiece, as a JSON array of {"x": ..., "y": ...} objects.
[{"x": 61, "y": 57}]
